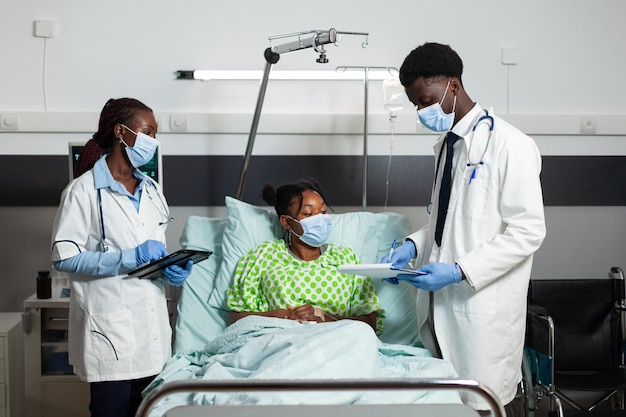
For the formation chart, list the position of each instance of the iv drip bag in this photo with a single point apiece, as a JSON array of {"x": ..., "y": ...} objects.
[{"x": 393, "y": 93}]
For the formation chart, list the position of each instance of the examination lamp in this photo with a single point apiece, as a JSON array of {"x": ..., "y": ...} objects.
[
  {"x": 339, "y": 74},
  {"x": 315, "y": 39}
]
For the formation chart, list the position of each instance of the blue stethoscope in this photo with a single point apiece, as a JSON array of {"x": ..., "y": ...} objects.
[
  {"x": 162, "y": 210},
  {"x": 486, "y": 118}
]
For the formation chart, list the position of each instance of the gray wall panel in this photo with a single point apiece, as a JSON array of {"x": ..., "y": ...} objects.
[{"x": 204, "y": 180}]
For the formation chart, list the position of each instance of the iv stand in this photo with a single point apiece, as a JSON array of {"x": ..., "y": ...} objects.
[
  {"x": 317, "y": 40},
  {"x": 365, "y": 114}
]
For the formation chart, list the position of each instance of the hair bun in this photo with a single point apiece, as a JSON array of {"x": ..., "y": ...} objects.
[{"x": 268, "y": 193}]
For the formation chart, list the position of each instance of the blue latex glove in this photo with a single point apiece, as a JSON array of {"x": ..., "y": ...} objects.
[
  {"x": 150, "y": 250},
  {"x": 436, "y": 276},
  {"x": 399, "y": 258},
  {"x": 176, "y": 275}
]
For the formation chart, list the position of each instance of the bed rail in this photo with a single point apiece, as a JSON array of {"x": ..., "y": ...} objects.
[{"x": 320, "y": 385}]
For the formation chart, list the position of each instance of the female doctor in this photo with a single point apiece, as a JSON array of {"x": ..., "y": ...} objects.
[
  {"x": 111, "y": 220},
  {"x": 476, "y": 253}
]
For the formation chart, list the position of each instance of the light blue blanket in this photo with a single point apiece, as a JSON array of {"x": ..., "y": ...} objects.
[{"x": 271, "y": 348}]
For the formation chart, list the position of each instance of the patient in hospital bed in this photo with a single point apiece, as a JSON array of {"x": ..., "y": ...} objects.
[
  {"x": 296, "y": 277},
  {"x": 231, "y": 316}
]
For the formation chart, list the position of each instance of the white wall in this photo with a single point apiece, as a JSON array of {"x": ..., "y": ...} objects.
[
  {"x": 571, "y": 65},
  {"x": 571, "y": 59}
]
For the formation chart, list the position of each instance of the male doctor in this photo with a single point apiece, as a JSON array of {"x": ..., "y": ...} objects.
[{"x": 486, "y": 223}]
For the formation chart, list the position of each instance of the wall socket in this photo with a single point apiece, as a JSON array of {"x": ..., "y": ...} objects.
[{"x": 588, "y": 125}]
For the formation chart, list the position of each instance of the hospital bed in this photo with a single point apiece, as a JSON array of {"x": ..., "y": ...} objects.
[
  {"x": 202, "y": 372},
  {"x": 315, "y": 410}
]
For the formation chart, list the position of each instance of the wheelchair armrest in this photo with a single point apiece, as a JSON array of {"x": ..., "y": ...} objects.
[
  {"x": 535, "y": 310},
  {"x": 539, "y": 330},
  {"x": 539, "y": 344}
]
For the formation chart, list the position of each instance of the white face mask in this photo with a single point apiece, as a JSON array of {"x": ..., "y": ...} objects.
[
  {"x": 434, "y": 118},
  {"x": 142, "y": 151},
  {"x": 315, "y": 229}
]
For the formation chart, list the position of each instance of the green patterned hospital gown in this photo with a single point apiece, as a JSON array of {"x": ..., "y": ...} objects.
[{"x": 269, "y": 277}]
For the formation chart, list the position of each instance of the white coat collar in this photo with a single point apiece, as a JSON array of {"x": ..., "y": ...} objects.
[
  {"x": 103, "y": 178},
  {"x": 464, "y": 126}
]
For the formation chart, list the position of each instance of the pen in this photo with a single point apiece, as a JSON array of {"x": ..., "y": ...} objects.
[
  {"x": 472, "y": 176},
  {"x": 393, "y": 246}
]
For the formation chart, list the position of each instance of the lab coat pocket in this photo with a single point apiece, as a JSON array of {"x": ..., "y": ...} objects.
[
  {"x": 469, "y": 302},
  {"x": 474, "y": 198},
  {"x": 112, "y": 336}
]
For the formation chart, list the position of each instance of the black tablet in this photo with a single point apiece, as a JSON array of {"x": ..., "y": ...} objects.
[{"x": 153, "y": 269}]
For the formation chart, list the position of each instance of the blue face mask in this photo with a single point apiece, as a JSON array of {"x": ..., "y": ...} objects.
[
  {"x": 315, "y": 229},
  {"x": 434, "y": 118},
  {"x": 142, "y": 151}
]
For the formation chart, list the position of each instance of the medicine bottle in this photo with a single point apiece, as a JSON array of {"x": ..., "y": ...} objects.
[{"x": 44, "y": 284}]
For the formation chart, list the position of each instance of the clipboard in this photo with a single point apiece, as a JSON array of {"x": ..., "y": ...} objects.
[
  {"x": 376, "y": 270},
  {"x": 153, "y": 269}
]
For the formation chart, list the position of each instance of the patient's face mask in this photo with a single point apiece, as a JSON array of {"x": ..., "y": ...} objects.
[
  {"x": 434, "y": 118},
  {"x": 315, "y": 229},
  {"x": 143, "y": 150}
]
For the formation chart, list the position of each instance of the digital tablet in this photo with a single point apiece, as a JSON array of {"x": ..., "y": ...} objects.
[{"x": 153, "y": 269}]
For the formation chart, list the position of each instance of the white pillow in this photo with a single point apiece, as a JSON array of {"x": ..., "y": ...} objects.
[
  {"x": 197, "y": 323},
  {"x": 247, "y": 227}
]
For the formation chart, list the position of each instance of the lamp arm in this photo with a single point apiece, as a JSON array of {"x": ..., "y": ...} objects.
[{"x": 317, "y": 38}]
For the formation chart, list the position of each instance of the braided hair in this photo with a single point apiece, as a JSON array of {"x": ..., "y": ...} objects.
[
  {"x": 88, "y": 156},
  {"x": 115, "y": 111}
]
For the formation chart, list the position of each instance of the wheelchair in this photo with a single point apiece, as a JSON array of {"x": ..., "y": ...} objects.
[{"x": 575, "y": 344}]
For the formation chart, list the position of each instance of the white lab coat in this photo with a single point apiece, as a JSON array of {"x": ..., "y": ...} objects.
[
  {"x": 118, "y": 326},
  {"x": 493, "y": 227}
]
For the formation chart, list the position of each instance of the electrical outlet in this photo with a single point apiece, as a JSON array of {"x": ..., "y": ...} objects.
[{"x": 588, "y": 125}]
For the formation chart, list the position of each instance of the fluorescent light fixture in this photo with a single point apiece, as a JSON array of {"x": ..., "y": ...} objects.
[{"x": 338, "y": 75}]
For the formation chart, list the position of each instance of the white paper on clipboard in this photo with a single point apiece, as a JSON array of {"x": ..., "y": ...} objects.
[{"x": 375, "y": 270}]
